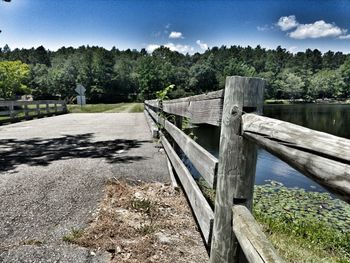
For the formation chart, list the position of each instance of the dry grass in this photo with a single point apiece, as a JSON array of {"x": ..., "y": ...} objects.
[{"x": 144, "y": 223}]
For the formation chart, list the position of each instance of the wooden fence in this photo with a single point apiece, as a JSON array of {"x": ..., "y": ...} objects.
[
  {"x": 12, "y": 111},
  {"x": 231, "y": 228}
]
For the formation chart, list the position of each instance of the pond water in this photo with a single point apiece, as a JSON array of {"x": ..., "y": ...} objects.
[{"x": 334, "y": 119}]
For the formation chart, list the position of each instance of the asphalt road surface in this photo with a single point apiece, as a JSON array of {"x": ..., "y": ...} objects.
[{"x": 52, "y": 175}]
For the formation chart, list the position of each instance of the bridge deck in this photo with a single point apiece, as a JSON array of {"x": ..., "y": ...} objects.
[{"x": 52, "y": 175}]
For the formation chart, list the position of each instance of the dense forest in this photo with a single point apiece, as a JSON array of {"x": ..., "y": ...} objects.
[{"x": 130, "y": 75}]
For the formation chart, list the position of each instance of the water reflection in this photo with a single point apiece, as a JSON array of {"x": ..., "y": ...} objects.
[{"x": 334, "y": 119}]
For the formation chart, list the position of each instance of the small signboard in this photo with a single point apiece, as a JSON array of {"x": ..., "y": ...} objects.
[
  {"x": 81, "y": 100},
  {"x": 80, "y": 90}
]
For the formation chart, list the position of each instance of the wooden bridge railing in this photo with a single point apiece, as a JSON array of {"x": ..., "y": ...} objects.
[
  {"x": 11, "y": 111},
  {"x": 231, "y": 228}
]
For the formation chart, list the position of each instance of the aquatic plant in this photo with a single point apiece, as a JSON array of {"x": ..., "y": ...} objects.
[{"x": 317, "y": 218}]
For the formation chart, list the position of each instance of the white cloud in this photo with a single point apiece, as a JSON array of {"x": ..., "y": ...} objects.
[
  {"x": 344, "y": 37},
  {"x": 175, "y": 35},
  {"x": 180, "y": 48},
  {"x": 264, "y": 28},
  {"x": 293, "y": 49},
  {"x": 151, "y": 47},
  {"x": 287, "y": 22},
  {"x": 202, "y": 45},
  {"x": 317, "y": 30},
  {"x": 173, "y": 47}
]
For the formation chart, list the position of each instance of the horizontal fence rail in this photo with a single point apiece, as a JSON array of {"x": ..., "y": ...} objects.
[
  {"x": 200, "y": 206},
  {"x": 252, "y": 240},
  {"x": 322, "y": 157},
  {"x": 204, "y": 161},
  {"x": 12, "y": 111}
]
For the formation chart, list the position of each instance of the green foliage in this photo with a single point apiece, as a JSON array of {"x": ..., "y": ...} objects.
[
  {"x": 304, "y": 226},
  {"x": 95, "y": 108},
  {"x": 163, "y": 94},
  {"x": 13, "y": 76},
  {"x": 345, "y": 74},
  {"x": 111, "y": 76},
  {"x": 39, "y": 81},
  {"x": 202, "y": 78},
  {"x": 239, "y": 68},
  {"x": 326, "y": 84},
  {"x": 289, "y": 85},
  {"x": 315, "y": 217},
  {"x": 73, "y": 235}
]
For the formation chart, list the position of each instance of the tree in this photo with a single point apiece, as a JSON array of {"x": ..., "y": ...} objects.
[
  {"x": 289, "y": 85},
  {"x": 147, "y": 75},
  {"x": 326, "y": 84},
  {"x": 13, "y": 76},
  {"x": 203, "y": 77},
  {"x": 345, "y": 73},
  {"x": 239, "y": 68},
  {"x": 115, "y": 75},
  {"x": 62, "y": 79},
  {"x": 38, "y": 81},
  {"x": 41, "y": 56}
]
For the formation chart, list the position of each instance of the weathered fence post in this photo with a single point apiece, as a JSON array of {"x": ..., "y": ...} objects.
[
  {"x": 237, "y": 160},
  {"x": 12, "y": 110},
  {"x": 64, "y": 105},
  {"x": 26, "y": 111},
  {"x": 178, "y": 123},
  {"x": 37, "y": 108}
]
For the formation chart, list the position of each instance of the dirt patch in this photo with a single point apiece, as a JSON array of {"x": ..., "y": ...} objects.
[{"x": 144, "y": 223}]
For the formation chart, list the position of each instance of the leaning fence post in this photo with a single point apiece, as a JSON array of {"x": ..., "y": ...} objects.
[{"x": 237, "y": 160}]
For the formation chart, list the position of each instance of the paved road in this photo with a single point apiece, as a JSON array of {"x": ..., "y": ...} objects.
[{"x": 52, "y": 176}]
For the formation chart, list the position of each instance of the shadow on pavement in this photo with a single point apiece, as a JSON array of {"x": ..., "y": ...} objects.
[{"x": 42, "y": 152}]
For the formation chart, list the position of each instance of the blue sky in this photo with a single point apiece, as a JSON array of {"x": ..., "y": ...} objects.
[{"x": 186, "y": 26}]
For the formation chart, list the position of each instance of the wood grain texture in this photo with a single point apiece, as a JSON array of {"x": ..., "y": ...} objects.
[
  {"x": 298, "y": 137},
  {"x": 21, "y": 103},
  {"x": 14, "y": 108},
  {"x": 152, "y": 125},
  {"x": 152, "y": 103},
  {"x": 235, "y": 177},
  {"x": 205, "y": 162},
  {"x": 207, "y": 108},
  {"x": 199, "y": 111},
  {"x": 224, "y": 245},
  {"x": 199, "y": 204},
  {"x": 206, "y": 96},
  {"x": 172, "y": 175},
  {"x": 152, "y": 113},
  {"x": 333, "y": 175},
  {"x": 251, "y": 238}
]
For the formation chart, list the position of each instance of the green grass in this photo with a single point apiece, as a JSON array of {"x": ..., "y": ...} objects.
[
  {"x": 73, "y": 235},
  {"x": 303, "y": 226},
  {"x": 274, "y": 101},
  {"x": 315, "y": 223},
  {"x": 96, "y": 108}
]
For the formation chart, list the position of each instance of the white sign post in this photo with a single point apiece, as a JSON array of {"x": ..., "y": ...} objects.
[{"x": 81, "y": 100}]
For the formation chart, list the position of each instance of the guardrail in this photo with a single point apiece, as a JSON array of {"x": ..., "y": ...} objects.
[
  {"x": 231, "y": 228},
  {"x": 12, "y": 111}
]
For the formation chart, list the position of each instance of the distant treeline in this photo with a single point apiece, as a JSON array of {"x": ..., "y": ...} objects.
[{"x": 114, "y": 75}]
